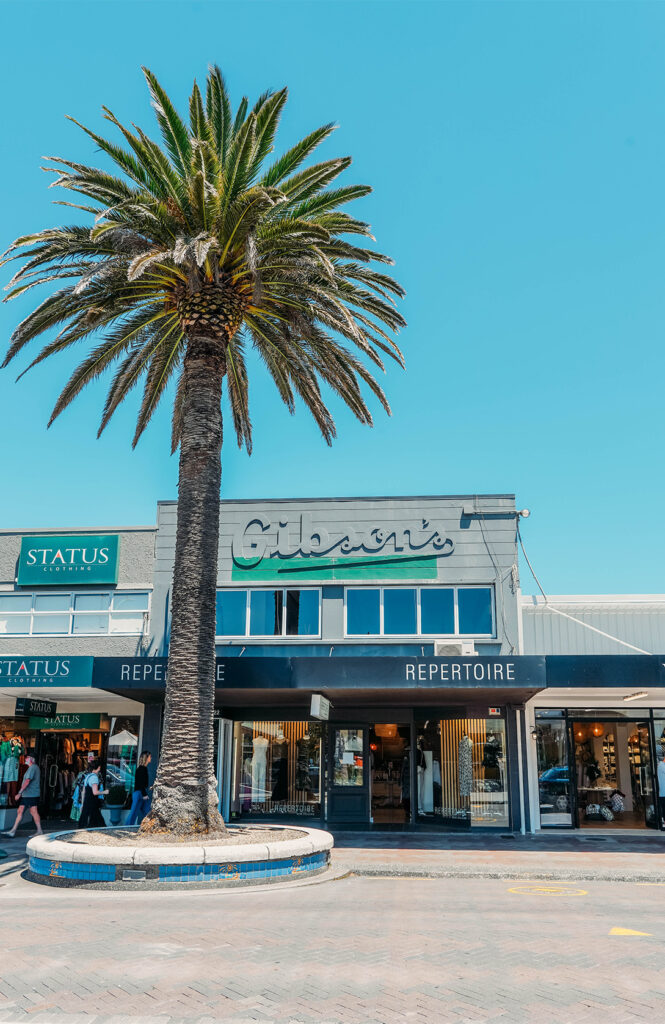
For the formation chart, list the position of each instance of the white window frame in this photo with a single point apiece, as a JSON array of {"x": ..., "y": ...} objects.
[
  {"x": 419, "y": 633},
  {"x": 251, "y": 637},
  {"x": 72, "y": 611}
]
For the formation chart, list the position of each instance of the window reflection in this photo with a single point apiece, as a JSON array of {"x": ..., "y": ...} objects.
[
  {"x": 553, "y": 772},
  {"x": 461, "y": 772},
  {"x": 348, "y": 764},
  {"x": 277, "y": 769}
]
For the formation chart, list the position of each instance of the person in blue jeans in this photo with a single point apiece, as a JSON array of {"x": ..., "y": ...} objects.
[{"x": 141, "y": 797}]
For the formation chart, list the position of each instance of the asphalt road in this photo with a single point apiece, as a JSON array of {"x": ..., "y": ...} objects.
[{"x": 352, "y": 951}]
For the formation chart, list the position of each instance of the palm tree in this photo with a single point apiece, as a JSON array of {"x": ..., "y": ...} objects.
[{"x": 198, "y": 248}]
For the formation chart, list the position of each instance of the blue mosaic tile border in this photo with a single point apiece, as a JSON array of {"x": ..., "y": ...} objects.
[
  {"x": 243, "y": 872},
  {"x": 251, "y": 872},
  {"x": 77, "y": 872}
]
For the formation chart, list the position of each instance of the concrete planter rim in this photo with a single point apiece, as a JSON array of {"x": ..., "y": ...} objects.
[{"x": 51, "y": 847}]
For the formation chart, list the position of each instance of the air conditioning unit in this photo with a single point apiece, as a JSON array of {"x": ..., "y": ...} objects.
[{"x": 454, "y": 649}]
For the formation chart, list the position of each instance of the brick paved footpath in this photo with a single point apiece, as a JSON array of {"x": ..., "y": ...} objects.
[{"x": 353, "y": 951}]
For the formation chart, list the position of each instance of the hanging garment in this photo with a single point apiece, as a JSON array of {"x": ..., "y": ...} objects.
[
  {"x": 10, "y": 773},
  {"x": 465, "y": 754},
  {"x": 260, "y": 754},
  {"x": 280, "y": 778},
  {"x": 303, "y": 780}
]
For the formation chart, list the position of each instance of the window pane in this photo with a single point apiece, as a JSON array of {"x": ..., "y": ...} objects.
[
  {"x": 475, "y": 610},
  {"x": 399, "y": 611},
  {"x": 363, "y": 612},
  {"x": 91, "y": 602},
  {"x": 348, "y": 757},
  {"x": 91, "y": 623},
  {"x": 231, "y": 613},
  {"x": 121, "y": 622},
  {"x": 130, "y": 602},
  {"x": 553, "y": 772},
  {"x": 302, "y": 612},
  {"x": 265, "y": 612},
  {"x": 15, "y": 603},
  {"x": 14, "y": 624},
  {"x": 277, "y": 769},
  {"x": 122, "y": 753},
  {"x": 437, "y": 611},
  {"x": 52, "y": 603},
  {"x": 50, "y": 624}
]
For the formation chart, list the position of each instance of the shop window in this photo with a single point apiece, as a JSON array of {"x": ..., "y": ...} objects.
[
  {"x": 554, "y": 783},
  {"x": 74, "y": 613},
  {"x": 231, "y": 613},
  {"x": 302, "y": 612},
  {"x": 475, "y": 611},
  {"x": 437, "y": 610},
  {"x": 16, "y": 740},
  {"x": 422, "y": 611},
  {"x": 348, "y": 765},
  {"x": 461, "y": 772},
  {"x": 400, "y": 612},
  {"x": 363, "y": 612},
  {"x": 659, "y": 734},
  {"x": 122, "y": 752},
  {"x": 277, "y": 769},
  {"x": 268, "y": 613}
]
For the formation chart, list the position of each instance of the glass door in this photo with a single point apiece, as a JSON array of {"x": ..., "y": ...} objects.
[
  {"x": 554, "y": 781},
  {"x": 348, "y": 775},
  {"x": 642, "y": 774},
  {"x": 390, "y": 767}
]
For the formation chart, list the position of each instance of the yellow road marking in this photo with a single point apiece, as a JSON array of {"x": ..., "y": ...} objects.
[
  {"x": 548, "y": 890},
  {"x": 626, "y": 931}
]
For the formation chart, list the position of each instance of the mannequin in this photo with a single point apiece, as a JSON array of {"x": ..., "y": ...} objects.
[
  {"x": 260, "y": 748},
  {"x": 11, "y": 766}
]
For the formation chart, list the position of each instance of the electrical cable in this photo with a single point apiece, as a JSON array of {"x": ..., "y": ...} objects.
[
  {"x": 565, "y": 615},
  {"x": 499, "y": 577}
]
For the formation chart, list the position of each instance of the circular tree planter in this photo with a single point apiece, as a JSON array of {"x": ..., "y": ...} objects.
[{"x": 55, "y": 860}]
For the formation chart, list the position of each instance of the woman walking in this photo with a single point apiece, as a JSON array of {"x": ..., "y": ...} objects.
[
  {"x": 141, "y": 797},
  {"x": 91, "y": 814}
]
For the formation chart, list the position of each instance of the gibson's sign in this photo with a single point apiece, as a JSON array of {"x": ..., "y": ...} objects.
[
  {"x": 48, "y": 561},
  {"x": 264, "y": 538}
]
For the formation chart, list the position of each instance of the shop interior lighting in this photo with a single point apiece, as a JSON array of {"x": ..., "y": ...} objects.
[{"x": 637, "y": 696}]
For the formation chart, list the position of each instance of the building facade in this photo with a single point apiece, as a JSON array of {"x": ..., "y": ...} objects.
[
  {"x": 376, "y": 666},
  {"x": 67, "y": 598}
]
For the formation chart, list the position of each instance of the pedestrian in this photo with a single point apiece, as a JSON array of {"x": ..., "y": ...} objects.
[
  {"x": 141, "y": 797},
  {"x": 91, "y": 813},
  {"x": 28, "y": 796}
]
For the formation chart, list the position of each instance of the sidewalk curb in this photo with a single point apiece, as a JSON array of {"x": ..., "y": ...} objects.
[{"x": 580, "y": 875}]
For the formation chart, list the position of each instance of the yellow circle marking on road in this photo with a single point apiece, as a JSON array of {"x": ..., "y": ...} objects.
[{"x": 547, "y": 890}]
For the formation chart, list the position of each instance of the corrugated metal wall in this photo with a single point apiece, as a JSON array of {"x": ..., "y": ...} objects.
[{"x": 639, "y": 621}]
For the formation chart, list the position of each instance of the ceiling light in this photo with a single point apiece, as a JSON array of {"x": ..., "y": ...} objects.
[{"x": 637, "y": 696}]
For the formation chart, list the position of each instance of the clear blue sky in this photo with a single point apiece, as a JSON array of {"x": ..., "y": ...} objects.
[{"x": 517, "y": 152}]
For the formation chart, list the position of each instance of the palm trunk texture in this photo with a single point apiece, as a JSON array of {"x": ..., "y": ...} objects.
[{"x": 185, "y": 791}]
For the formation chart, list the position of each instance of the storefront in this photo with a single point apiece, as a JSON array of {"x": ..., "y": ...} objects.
[
  {"x": 398, "y": 748},
  {"x": 597, "y": 737},
  {"x": 50, "y": 709}
]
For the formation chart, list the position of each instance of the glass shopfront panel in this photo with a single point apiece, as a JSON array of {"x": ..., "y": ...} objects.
[
  {"x": 122, "y": 753},
  {"x": 16, "y": 740},
  {"x": 348, "y": 765},
  {"x": 659, "y": 735},
  {"x": 277, "y": 769},
  {"x": 554, "y": 783},
  {"x": 461, "y": 772}
]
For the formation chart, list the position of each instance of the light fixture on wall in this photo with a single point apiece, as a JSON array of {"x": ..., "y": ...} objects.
[{"x": 637, "y": 696}]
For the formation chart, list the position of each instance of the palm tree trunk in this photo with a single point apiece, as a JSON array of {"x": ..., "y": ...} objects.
[{"x": 185, "y": 793}]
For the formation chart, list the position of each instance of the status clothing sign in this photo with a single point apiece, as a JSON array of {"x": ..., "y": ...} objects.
[
  {"x": 66, "y": 722},
  {"x": 31, "y": 671},
  {"x": 49, "y": 561},
  {"x": 37, "y": 708}
]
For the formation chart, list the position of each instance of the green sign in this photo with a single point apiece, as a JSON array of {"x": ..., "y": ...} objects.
[
  {"x": 27, "y": 706},
  {"x": 58, "y": 561},
  {"x": 65, "y": 722},
  {"x": 31, "y": 670}
]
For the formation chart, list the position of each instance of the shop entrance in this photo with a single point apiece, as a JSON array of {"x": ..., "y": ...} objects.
[
  {"x": 390, "y": 774},
  {"x": 61, "y": 756},
  {"x": 613, "y": 774}
]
